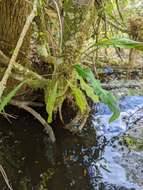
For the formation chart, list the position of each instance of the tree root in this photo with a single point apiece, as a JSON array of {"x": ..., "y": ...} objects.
[
  {"x": 74, "y": 126},
  {"x": 77, "y": 124},
  {"x": 46, "y": 126}
]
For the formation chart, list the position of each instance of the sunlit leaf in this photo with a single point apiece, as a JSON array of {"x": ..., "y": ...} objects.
[
  {"x": 79, "y": 98},
  {"x": 105, "y": 96},
  {"x": 89, "y": 90},
  {"x": 50, "y": 102},
  {"x": 119, "y": 42},
  {"x": 10, "y": 95}
]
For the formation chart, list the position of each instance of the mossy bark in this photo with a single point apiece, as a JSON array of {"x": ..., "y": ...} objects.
[{"x": 13, "y": 15}]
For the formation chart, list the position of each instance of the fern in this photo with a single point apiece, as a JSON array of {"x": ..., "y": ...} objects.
[
  {"x": 105, "y": 96},
  {"x": 80, "y": 98},
  {"x": 89, "y": 90},
  {"x": 50, "y": 101}
]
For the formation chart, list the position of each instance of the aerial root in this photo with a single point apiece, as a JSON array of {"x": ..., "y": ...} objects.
[{"x": 48, "y": 129}]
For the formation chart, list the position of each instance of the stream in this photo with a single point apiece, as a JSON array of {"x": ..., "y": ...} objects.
[{"x": 115, "y": 162}]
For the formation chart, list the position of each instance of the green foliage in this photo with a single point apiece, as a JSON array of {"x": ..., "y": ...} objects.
[
  {"x": 105, "y": 96},
  {"x": 50, "y": 101},
  {"x": 79, "y": 98},
  {"x": 133, "y": 142},
  {"x": 46, "y": 176},
  {"x": 89, "y": 90},
  {"x": 10, "y": 95},
  {"x": 120, "y": 42},
  {"x": 79, "y": 20},
  {"x": 42, "y": 51}
]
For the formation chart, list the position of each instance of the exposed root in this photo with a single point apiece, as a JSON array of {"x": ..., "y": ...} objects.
[
  {"x": 8, "y": 116},
  {"x": 77, "y": 124},
  {"x": 5, "y": 177},
  {"x": 46, "y": 126},
  {"x": 33, "y": 104}
]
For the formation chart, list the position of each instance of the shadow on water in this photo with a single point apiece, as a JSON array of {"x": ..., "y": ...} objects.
[{"x": 32, "y": 163}]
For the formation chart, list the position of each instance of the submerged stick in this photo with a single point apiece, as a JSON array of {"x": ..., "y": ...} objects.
[{"x": 47, "y": 127}]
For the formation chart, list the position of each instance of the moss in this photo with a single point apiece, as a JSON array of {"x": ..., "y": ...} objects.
[
  {"x": 133, "y": 143},
  {"x": 45, "y": 177}
]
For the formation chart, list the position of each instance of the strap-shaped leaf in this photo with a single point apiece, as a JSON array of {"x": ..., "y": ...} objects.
[
  {"x": 89, "y": 90},
  {"x": 119, "y": 42},
  {"x": 50, "y": 102},
  {"x": 105, "y": 96},
  {"x": 10, "y": 95},
  {"x": 79, "y": 98}
]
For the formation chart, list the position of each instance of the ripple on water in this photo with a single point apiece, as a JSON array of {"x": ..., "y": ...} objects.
[{"x": 119, "y": 166}]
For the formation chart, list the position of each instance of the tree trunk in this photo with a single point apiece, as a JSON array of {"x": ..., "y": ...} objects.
[{"x": 13, "y": 14}]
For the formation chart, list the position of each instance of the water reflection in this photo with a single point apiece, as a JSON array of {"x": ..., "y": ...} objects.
[{"x": 32, "y": 163}]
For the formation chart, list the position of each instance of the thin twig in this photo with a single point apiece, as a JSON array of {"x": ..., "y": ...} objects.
[
  {"x": 5, "y": 177},
  {"x": 33, "y": 104},
  {"x": 118, "y": 27},
  {"x": 119, "y": 11},
  {"x": 47, "y": 127},
  {"x": 8, "y": 116},
  {"x": 17, "y": 48}
]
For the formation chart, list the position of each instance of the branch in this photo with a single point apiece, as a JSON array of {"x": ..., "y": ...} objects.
[
  {"x": 17, "y": 48},
  {"x": 5, "y": 60},
  {"x": 31, "y": 103},
  {"x": 119, "y": 11},
  {"x": 125, "y": 85},
  {"x": 46, "y": 126}
]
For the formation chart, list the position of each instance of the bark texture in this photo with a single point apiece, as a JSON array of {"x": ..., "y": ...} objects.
[{"x": 13, "y": 14}]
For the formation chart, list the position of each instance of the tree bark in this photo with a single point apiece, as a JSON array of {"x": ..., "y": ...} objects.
[{"x": 13, "y": 14}]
